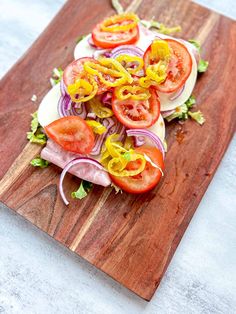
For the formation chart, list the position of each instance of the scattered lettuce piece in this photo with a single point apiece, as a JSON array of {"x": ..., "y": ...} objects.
[
  {"x": 56, "y": 76},
  {"x": 169, "y": 30},
  {"x": 39, "y": 162},
  {"x": 83, "y": 190},
  {"x": 165, "y": 145},
  {"x": 36, "y": 135},
  {"x": 117, "y": 6},
  {"x": 160, "y": 27},
  {"x": 195, "y": 43},
  {"x": 117, "y": 189},
  {"x": 127, "y": 156},
  {"x": 183, "y": 112},
  {"x": 191, "y": 101},
  {"x": 202, "y": 66},
  {"x": 34, "y": 98},
  {"x": 197, "y": 116},
  {"x": 80, "y": 38}
]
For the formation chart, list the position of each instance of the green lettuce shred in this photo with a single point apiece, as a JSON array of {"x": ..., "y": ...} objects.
[
  {"x": 80, "y": 38},
  {"x": 56, "y": 76},
  {"x": 161, "y": 27},
  {"x": 195, "y": 43},
  {"x": 36, "y": 134},
  {"x": 117, "y": 6},
  {"x": 127, "y": 156},
  {"x": 39, "y": 162},
  {"x": 183, "y": 112},
  {"x": 116, "y": 188},
  {"x": 83, "y": 190},
  {"x": 203, "y": 64},
  {"x": 197, "y": 116}
]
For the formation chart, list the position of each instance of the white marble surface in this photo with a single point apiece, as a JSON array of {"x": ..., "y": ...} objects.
[{"x": 38, "y": 275}]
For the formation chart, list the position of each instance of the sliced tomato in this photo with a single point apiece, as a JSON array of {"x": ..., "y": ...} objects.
[
  {"x": 72, "y": 133},
  {"x": 75, "y": 70},
  {"x": 111, "y": 40},
  {"x": 179, "y": 68},
  {"x": 148, "y": 178},
  {"x": 136, "y": 114}
]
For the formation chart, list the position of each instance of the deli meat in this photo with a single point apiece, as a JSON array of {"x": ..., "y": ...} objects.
[{"x": 60, "y": 157}]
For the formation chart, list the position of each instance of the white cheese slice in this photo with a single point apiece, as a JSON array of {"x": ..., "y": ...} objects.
[
  {"x": 159, "y": 128},
  {"x": 84, "y": 49},
  {"x": 47, "y": 111}
]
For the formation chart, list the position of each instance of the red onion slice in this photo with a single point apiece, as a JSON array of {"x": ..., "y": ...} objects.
[
  {"x": 106, "y": 98},
  {"x": 62, "y": 87},
  {"x": 66, "y": 107},
  {"x": 177, "y": 93},
  {"x": 91, "y": 115},
  {"x": 150, "y": 135},
  {"x": 108, "y": 123},
  {"x": 139, "y": 141},
  {"x": 127, "y": 50},
  {"x": 71, "y": 164}
]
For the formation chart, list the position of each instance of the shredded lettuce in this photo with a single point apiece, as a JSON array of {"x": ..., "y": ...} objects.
[
  {"x": 83, "y": 190},
  {"x": 117, "y": 6},
  {"x": 80, "y": 38},
  {"x": 202, "y": 66},
  {"x": 36, "y": 135},
  {"x": 56, "y": 76},
  {"x": 39, "y": 162},
  {"x": 127, "y": 155},
  {"x": 195, "y": 43},
  {"x": 190, "y": 102},
  {"x": 161, "y": 27},
  {"x": 117, "y": 189},
  {"x": 183, "y": 112},
  {"x": 197, "y": 116}
]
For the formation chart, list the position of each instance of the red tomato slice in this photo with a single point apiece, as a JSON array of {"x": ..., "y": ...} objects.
[
  {"x": 111, "y": 40},
  {"x": 179, "y": 68},
  {"x": 148, "y": 178},
  {"x": 75, "y": 70},
  {"x": 72, "y": 133},
  {"x": 137, "y": 113}
]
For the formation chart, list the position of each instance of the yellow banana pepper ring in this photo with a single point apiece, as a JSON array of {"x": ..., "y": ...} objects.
[
  {"x": 132, "y": 92},
  {"x": 99, "y": 109},
  {"x": 157, "y": 72},
  {"x": 84, "y": 89},
  {"x": 133, "y": 59},
  {"x": 97, "y": 127},
  {"x": 108, "y": 67},
  {"x": 114, "y": 23},
  {"x": 109, "y": 145},
  {"x": 160, "y": 50},
  {"x": 114, "y": 163},
  {"x": 146, "y": 82}
]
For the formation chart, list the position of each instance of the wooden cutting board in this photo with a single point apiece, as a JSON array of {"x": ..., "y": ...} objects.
[{"x": 131, "y": 238}]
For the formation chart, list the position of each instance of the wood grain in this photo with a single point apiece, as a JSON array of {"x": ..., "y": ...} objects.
[{"x": 131, "y": 238}]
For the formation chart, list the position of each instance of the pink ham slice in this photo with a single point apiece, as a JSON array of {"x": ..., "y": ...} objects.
[{"x": 58, "y": 156}]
